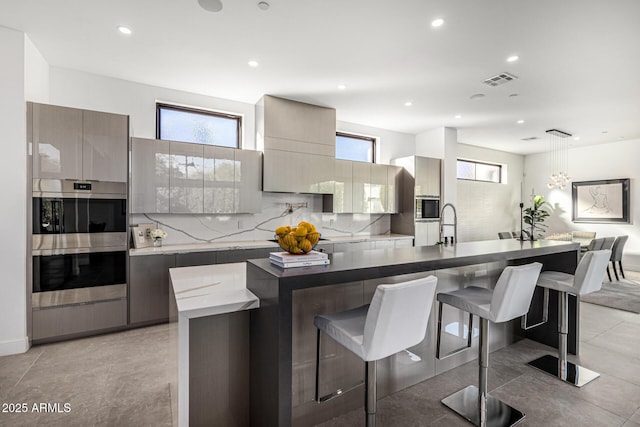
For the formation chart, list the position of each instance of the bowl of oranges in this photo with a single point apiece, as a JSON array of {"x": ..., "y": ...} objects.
[{"x": 298, "y": 240}]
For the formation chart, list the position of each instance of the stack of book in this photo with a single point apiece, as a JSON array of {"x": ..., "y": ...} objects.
[{"x": 287, "y": 260}]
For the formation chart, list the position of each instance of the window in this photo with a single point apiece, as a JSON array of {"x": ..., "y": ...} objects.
[
  {"x": 355, "y": 147},
  {"x": 478, "y": 171},
  {"x": 198, "y": 126}
]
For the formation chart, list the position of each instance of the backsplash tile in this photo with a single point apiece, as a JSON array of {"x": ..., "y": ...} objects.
[{"x": 185, "y": 228}]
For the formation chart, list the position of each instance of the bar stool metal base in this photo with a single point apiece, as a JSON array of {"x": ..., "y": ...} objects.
[
  {"x": 499, "y": 414},
  {"x": 575, "y": 374}
]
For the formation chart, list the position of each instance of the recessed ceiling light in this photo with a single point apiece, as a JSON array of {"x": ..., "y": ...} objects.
[
  {"x": 253, "y": 63},
  {"x": 520, "y": 122},
  {"x": 477, "y": 96},
  {"x": 513, "y": 95},
  {"x": 408, "y": 104},
  {"x": 513, "y": 58},
  {"x": 458, "y": 116},
  {"x": 437, "y": 22},
  {"x": 211, "y": 5},
  {"x": 124, "y": 30},
  {"x": 342, "y": 87},
  {"x": 605, "y": 131},
  {"x": 576, "y": 138},
  {"x": 263, "y": 5}
]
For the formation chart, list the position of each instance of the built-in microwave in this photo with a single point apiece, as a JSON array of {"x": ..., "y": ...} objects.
[{"x": 427, "y": 208}]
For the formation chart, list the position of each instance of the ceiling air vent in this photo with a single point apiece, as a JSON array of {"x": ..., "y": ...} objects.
[
  {"x": 499, "y": 79},
  {"x": 530, "y": 138},
  {"x": 558, "y": 133}
]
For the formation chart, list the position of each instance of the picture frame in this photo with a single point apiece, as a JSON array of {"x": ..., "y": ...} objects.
[
  {"x": 603, "y": 201},
  {"x": 141, "y": 237}
]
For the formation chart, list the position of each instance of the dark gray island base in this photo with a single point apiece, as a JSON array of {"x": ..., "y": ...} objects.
[{"x": 283, "y": 338}]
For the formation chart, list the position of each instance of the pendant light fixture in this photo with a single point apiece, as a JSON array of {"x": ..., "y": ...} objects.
[{"x": 558, "y": 159}]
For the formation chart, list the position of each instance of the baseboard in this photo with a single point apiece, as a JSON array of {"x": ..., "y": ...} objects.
[{"x": 14, "y": 347}]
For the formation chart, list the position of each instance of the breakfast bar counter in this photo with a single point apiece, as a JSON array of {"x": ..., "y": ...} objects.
[{"x": 283, "y": 338}]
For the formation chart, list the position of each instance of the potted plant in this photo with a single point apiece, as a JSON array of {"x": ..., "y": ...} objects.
[{"x": 534, "y": 217}]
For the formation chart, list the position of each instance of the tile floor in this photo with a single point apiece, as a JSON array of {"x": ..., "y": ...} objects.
[{"x": 122, "y": 380}]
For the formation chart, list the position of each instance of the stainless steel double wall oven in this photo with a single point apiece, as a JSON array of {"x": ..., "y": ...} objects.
[{"x": 79, "y": 242}]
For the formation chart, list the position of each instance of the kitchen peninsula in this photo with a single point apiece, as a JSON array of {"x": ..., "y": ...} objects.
[{"x": 283, "y": 338}]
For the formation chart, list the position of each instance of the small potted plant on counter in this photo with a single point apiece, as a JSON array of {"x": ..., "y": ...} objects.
[{"x": 157, "y": 235}]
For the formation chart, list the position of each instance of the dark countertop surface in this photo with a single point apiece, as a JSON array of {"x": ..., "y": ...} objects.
[{"x": 375, "y": 263}]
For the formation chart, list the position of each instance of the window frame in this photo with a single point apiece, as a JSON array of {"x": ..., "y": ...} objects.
[
  {"x": 371, "y": 139},
  {"x": 238, "y": 118},
  {"x": 478, "y": 162}
]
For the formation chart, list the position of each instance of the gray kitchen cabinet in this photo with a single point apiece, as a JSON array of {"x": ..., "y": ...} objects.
[
  {"x": 186, "y": 178},
  {"x": 297, "y": 121},
  {"x": 290, "y": 172},
  {"x": 378, "y": 198},
  {"x": 361, "y": 186},
  {"x": 149, "y": 288},
  {"x": 394, "y": 187},
  {"x": 57, "y": 142},
  {"x": 299, "y": 145},
  {"x": 381, "y": 244},
  {"x": 195, "y": 258},
  {"x": 427, "y": 176},
  {"x": 104, "y": 146},
  {"x": 219, "y": 179},
  {"x": 240, "y": 255},
  {"x": 343, "y": 187},
  {"x": 149, "y": 176},
  {"x": 248, "y": 181},
  {"x": 69, "y": 143}
]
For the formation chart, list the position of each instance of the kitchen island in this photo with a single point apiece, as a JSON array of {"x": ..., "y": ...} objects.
[{"x": 283, "y": 338}]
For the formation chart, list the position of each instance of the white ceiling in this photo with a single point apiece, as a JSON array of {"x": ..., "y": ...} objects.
[{"x": 579, "y": 67}]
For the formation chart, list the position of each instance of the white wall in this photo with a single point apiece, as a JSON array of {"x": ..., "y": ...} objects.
[
  {"x": 607, "y": 161},
  {"x": 486, "y": 208},
  {"x": 78, "y": 89},
  {"x": 36, "y": 73},
  {"x": 13, "y": 187},
  {"x": 429, "y": 144}
]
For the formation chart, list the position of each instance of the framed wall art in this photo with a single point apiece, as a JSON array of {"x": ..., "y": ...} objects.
[{"x": 601, "y": 201}]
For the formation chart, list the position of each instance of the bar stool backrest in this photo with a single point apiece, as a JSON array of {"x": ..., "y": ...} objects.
[
  {"x": 618, "y": 247},
  {"x": 608, "y": 243},
  {"x": 397, "y": 317},
  {"x": 513, "y": 292},
  {"x": 590, "y": 272}
]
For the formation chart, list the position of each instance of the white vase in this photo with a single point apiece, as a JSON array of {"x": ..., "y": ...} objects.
[{"x": 157, "y": 243}]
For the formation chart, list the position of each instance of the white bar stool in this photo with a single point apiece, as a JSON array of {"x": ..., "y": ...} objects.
[
  {"x": 396, "y": 319},
  {"x": 510, "y": 299},
  {"x": 587, "y": 279}
]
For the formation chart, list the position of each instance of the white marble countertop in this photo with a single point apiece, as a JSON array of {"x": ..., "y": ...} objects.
[
  {"x": 212, "y": 289},
  {"x": 253, "y": 244}
]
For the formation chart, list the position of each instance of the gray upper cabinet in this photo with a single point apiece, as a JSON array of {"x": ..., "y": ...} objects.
[
  {"x": 343, "y": 191},
  {"x": 361, "y": 185},
  {"x": 70, "y": 143},
  {"x": 427, "y": 176},
  {"x": 219, "y": 179},
  {"x": 57, "y": 139},
  {"x": 248, "y": 181},
  {"x": 378, "y": 197},
  {"x": 186, "y": 178},
  {"x": 176, "y": 177},
  {"x": 299, "y": 145},
  {"x": 394, "y": 188},
  {"x": 150, "y": 159},
  {"x": 104, "y": 146},
  {"x": 297, "y": 121}
]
